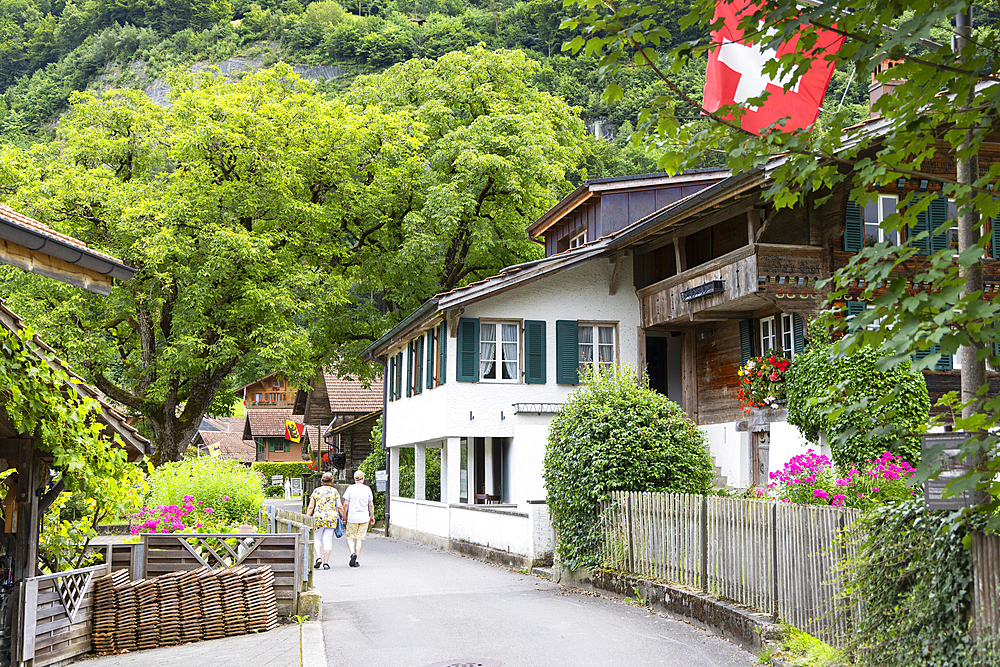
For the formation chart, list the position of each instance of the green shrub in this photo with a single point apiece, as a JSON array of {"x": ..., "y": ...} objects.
[
  {"x": 614, "y": 434},
  {"x": 231, "y": 488},
  {"x": 863, "y": 411},
  {"x": 287, "y": 469},
  {"x": 274, "y": 491},
  {"x": 909, "y": 590}
]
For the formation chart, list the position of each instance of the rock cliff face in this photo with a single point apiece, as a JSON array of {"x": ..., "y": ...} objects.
[{"x": 237, "y": 66}]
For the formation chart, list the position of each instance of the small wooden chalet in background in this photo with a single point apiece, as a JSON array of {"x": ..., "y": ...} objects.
[
  {"x": 32, "y": 246},
  {"x": 222, "y": 437},
  {"x": 266, "y": 428},
  {"x": 346, "y": 411},
  {"x": 269, "y": 392}
]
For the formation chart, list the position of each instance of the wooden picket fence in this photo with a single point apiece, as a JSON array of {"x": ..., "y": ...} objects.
[
  {"x": 776, "y": 557},
  {"x": 986, "y": 585}
]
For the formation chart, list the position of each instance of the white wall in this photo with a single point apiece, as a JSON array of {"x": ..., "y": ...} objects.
[
  {"x": 731, "y": 449},
  {"x": 579, "y": 293}
]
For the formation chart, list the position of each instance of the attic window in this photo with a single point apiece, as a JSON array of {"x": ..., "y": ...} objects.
[{"x": 578, "y": 240}]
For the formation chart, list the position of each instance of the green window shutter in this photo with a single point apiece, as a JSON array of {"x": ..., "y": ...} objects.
[
  {"x": 399, "y": 375},
  {"x": 430, "y": 358},
  {"x": 944, "y": 363},
  {"x": 409, "y": 369},
  {"x": 418, "y": 384},
  {"x": 534, "y": 352},
  {"x": 854, "y": 228},
  {"x": 854, "y": 308},
  {"x": 798, "y": 333},
  {"x": 746, "y": 340},
  {"x": 995, "y": 238},
  {"x": 938, "y": 215},
  {"x": 467, "y": 358},
  {"x": 442, "y": 352},
  {"x": 288, "y": 446},
  {"x": 391, "y": 371},
  {"x": 915, "y": 230},
  {"x": 567, "y": 352}
]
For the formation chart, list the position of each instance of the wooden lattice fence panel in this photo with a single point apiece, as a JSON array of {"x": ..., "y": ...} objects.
[{"x": 184, "y": 551}]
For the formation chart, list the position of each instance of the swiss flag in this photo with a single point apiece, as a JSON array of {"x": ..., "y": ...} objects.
[{"x": 735, "y": 73}]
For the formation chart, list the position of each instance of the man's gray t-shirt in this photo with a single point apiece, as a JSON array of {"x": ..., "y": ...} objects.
[{"x": 357, "y": 497}]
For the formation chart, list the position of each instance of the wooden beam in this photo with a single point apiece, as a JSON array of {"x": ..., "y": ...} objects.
[
  {"x": 680, "y": 254},
  {"x": 453, "y": 316},
  {"x": 11, "y": 448},
  {"x": 711, "y": 217},
  {"x": 26, "y": 509},
  {"x": 689, "y": 374},
  {"x": 618, "y": 259},
  {"x": 753, "y": 225}
]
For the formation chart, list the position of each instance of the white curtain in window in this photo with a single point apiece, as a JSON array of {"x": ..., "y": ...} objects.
[
  {"x": 509, "y": 339},
  {"x": 606, "y": 345},
  {"x": 487, "y": 351},
  {"x": 585, "y": 339}
]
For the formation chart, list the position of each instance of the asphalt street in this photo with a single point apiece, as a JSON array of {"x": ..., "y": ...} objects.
[{"x": 410, "y": 605}]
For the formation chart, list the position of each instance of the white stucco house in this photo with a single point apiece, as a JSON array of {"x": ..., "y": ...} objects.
[{"x": 479, "y": 373}]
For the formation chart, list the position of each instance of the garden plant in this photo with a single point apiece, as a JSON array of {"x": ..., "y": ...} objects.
[
  {"x": 208, "y": 480},
  {"x": 762, "y": 382},
  {"x": 614, "y": 433},
  {"x": 812, "y": 479}
]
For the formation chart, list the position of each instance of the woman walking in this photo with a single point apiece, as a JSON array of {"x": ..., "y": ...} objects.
[{"x": 324, "y": 505}]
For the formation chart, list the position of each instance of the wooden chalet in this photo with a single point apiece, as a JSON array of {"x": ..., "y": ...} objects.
[
  {"x": 345, "y": 410},
  {"x": 223, "y": 438},
  {"x": 269, "y": 392},
  {"x": 266, "y": 429}
]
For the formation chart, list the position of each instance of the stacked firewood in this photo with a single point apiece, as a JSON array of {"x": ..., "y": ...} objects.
[{"x": 181, "y": 607}]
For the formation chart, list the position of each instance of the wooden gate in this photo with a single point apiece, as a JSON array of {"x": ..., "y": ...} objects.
[{"x": 55, "y": 619}]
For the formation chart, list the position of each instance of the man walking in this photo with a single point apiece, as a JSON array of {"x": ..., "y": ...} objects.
[{"x": 359, "y": 507}]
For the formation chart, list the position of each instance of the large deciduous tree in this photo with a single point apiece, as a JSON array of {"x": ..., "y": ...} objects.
[
  {"x": 944, "y": 109},
  {"x": 271, "y": 225}
]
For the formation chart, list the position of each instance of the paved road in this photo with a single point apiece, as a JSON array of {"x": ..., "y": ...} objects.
[
  {"x": 409, "y": 605},
  {"x": 294, "y": 505}
]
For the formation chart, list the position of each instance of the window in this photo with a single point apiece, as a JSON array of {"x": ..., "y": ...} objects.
[
  {"x": 597, "y": 346},
  {"x": 768, "y": 336},
  {"x": 787, "y": 339},
  {"x": 257, "y": 398},
  {"x": 274, "y": 398},
  {"x": 275, "y": 384},
  {"x": 875, "y": 213},
  {"x": 578, "y": 240},
  {"x": 498, "y": 361}
]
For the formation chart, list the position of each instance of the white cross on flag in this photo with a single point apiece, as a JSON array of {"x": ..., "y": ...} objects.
[{"x": 735, "y": 73}]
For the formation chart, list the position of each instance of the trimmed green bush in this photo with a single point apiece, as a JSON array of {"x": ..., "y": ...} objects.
[
  {"x": 286, "y": 469},
  {"x": 232, "y": 489},
  {"x": 615, "y": 434},
  {"x": 863, "y": 411},
  {"x": 274, "y": 491}
]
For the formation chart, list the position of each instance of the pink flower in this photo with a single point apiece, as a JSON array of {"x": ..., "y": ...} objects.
[
  {"x": 208, "y": 510},
  {"x": 820, "y": 493},
  {"x": 875, "y": 490}
]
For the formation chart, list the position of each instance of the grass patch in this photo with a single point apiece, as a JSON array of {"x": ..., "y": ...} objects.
[{"x": 804, "y": 650}]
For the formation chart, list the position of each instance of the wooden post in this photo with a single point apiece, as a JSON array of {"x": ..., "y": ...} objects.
[
  {"x": 26, "y": 509},
  {"x": 680, "y": 253},
  {"x": 28, "y": 618},
  {"x": 704, "y": 543},
  {"x": 753, "y": 225}
]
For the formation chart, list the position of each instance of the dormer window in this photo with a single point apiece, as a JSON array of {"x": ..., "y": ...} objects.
[{"x": 578, "y": 240}]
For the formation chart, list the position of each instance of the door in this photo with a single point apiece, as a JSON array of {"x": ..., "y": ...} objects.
[{"x": 663, "y": 363}]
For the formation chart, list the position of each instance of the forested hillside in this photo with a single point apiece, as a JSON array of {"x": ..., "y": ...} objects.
[{"x": 50, "y": 48}]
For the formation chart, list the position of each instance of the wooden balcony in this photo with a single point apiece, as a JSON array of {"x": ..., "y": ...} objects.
[{"x": 735, "y": 285}]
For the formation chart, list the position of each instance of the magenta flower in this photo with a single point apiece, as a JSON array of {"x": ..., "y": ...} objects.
[{"x": 820, "y": 493}]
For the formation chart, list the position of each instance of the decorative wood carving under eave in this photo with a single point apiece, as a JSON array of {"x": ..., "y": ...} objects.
[{"x": 52, "y": 267}]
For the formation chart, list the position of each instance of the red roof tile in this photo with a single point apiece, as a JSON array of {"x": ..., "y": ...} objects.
[
  {"x": 21, "y": 220},
  {"x": 347, "y": 395},
  {"x": 270, "y": 423}
]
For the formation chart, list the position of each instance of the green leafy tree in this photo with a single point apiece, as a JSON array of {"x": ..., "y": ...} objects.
[
  {"x": 823, "y": 389},
  {"x": 231, "y": 204},
  {"x": 944, "y": 109},
  {"x": 615, "y": 434}
]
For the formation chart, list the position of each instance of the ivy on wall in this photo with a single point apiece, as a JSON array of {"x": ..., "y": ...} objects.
[
  {"x": 41, "y": 403},
  {"x": 909, "y": 589},
  {"x": 822, "y": 387}
]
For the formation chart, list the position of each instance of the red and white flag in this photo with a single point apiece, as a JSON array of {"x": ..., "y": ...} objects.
[{"x": 735, "y": 73}]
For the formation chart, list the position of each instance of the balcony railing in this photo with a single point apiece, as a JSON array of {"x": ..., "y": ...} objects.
[{"x": 737, "y": 282}]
